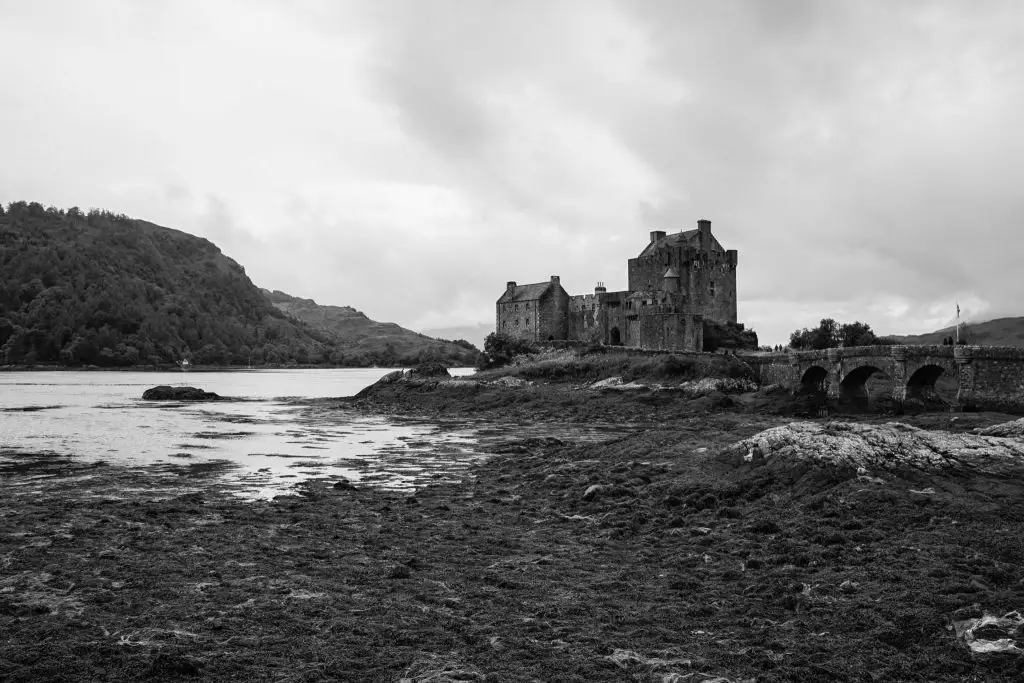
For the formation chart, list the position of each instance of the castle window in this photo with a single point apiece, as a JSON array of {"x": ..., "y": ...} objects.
[{"x": 711, "y": 288}]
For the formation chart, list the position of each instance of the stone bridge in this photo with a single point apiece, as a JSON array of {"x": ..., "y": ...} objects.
[{"x": 986, "y": 377}]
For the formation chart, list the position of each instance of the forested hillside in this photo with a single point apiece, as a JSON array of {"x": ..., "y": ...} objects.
[
  {"x": 104, "y": 289},
  {"x": 360, "y": 339}
]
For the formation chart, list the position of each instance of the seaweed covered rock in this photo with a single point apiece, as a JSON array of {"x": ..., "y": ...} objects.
[
  {"x": 425, "y": 370},
  {"x": 166, "y": 393}
]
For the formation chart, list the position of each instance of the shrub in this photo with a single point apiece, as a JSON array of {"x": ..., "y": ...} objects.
[{"x": 501, "y": 348}]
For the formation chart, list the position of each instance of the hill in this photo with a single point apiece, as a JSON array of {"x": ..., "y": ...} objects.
[
  {"x": 998, "y": 332},
  {"x": 360, "y": 338},
  {"x": 107, "y": 290}
]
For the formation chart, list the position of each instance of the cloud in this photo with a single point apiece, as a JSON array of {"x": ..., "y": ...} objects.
[{"x": 408, "y": 158}]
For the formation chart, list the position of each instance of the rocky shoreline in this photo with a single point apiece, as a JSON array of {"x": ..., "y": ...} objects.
[{"x": 717, "y": 541}]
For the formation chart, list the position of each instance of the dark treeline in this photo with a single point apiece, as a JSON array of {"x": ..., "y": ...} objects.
[
  {"x": 829, "y": 334},
  {"x": 102, "y": 289}
]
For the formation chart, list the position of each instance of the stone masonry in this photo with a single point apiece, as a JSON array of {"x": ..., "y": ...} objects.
[
  {"x": 676, "y": 283},
  {"x": 987, "y": 377}
]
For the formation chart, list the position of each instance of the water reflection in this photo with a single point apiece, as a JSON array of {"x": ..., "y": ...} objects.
[{"x": 261, "y": 441}]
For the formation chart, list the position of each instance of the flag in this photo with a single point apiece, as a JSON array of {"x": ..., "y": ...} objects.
[{"x": 958, "y": 310}]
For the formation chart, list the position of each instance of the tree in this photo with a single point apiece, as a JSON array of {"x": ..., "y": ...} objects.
[
  {"x": 501, "y": 348},
  {"x": 829, "y": 334},
  {"x": 727, "y": 335}
]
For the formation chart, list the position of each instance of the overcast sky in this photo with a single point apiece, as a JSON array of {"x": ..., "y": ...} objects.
[{"x": 407, "y": 158}]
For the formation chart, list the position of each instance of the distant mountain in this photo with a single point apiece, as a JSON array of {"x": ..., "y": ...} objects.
[
  {"x": 998, "y": 332},
  {"x": 358, "y": 337}
]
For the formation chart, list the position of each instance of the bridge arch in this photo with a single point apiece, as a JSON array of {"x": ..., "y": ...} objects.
[
  {"x": 853, "y": 386},
  {"x": 813, "y": 379},
  {"x": 921, "y": 383}
]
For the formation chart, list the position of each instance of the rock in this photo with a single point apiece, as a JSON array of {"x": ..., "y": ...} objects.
[
  {"x": 392, "y": 377},
  {"x": 616, "y": 384},
  {"x": 429, "y": 370},
  {"x": 891, "y": 447},
  {"x": 609, "y": 383},
  {"x": 344, "y": 485},
  {"x": 848, "y": 586},
  {"x": 991, "y": 634},
  {"x": 459, "y": 384},
  {"x": 512, "y": 382},
  {"x": 722, "y": 385},
  {"x": 594, "y": 491},
  {"x": 1013, "y": 429},
  {"x": 166, "y": 393}
]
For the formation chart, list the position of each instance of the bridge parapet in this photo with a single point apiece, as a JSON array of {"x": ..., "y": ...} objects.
[
  {"x": 990, "y": 352},
  {"x": 860, "y": 351},
  {"x": 929, "y": 350}
]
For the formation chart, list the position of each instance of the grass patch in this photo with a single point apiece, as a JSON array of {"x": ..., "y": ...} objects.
[{"x": 571, "y": 365}]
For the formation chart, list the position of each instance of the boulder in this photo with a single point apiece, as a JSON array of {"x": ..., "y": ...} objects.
[
  {"x": 867, "y": 449},
  {"x": 392, "y": 377},
  {"x": 723, "y": 385},
  {"x": 616, "y": 384},
  {"x": 511, "y": 382},
  {"x": 1014, "y": 429},
  {"x": 166, "y": 393},
  {"x": 424, "y": 370}
]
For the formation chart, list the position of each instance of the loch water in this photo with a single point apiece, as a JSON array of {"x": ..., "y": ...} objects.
[{"x": 279, "y": 428}]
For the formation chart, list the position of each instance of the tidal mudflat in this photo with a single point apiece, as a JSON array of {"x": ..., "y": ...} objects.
[{"x": 657, "y": 554}]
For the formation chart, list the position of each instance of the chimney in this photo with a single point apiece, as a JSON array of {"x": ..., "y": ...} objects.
[
  {"x": 510, "y": 286},
  {"x": 555, "y": 280},
  {"x": 600, "y": 289},
  {"x": 704, "y": 226},
  {"x": 657, "y": 235}
]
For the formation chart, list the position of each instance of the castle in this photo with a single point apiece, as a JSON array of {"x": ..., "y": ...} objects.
[{"x": 678, "y": 282}]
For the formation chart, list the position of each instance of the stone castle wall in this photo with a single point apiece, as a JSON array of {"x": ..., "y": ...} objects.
[
  {"x": 707, "y": 279},
  {"x": 554, "y": 315},
  {"x": 654, "y": 313}
]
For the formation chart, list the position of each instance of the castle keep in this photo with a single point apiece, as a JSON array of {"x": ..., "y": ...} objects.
[{"x": 678, "y": 282}]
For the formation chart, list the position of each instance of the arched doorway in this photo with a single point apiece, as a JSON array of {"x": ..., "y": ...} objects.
[{"x": 614, "y": 337}]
